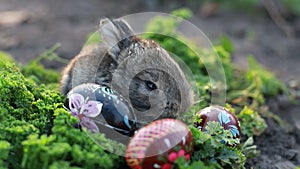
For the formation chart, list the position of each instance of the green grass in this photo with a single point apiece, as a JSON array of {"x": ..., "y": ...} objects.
[{"x": 37, "y": 133}]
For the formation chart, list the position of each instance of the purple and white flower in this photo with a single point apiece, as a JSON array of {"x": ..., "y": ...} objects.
[{"x": 84, "y": 109}]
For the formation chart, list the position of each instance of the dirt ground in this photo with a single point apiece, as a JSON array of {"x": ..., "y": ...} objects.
[{"x": 39, "y": 24}]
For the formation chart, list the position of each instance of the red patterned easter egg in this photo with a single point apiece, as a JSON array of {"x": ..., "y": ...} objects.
[
  {"x": 159, "y": 144},
  {"x": 219, "y": 114}
]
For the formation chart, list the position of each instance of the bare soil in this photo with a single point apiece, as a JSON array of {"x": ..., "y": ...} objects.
[{"x": 39, "y": 24}]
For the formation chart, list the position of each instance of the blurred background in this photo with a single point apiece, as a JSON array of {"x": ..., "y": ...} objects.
[{"x": 267, "y": 29}]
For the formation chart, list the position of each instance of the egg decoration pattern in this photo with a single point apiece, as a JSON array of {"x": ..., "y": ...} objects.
[
  {"x": 159, "y": 144},
  {"x": 99, "y": 106},
  {"x": 219, "y": 114}
]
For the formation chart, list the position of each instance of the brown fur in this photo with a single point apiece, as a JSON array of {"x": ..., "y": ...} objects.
[{"x": 130, "y": 65}]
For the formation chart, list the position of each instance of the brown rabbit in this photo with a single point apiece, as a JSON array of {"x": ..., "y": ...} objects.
[{"x": 138, "y": 69}]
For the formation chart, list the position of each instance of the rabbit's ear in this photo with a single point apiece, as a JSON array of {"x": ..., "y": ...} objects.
[{"x": 117, "y": 34}]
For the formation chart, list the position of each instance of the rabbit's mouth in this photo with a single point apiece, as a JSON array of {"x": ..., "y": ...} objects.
[{"x": 152, "y": 112}]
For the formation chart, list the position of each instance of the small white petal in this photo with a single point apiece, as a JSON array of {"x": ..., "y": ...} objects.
[{"x": 156, "y": 166}]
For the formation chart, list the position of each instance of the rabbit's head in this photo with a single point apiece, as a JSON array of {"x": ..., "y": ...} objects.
[{"x": 146, "y": 74}]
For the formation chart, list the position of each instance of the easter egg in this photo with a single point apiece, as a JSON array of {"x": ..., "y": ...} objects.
[
  {"x": 219, "y": 114},
  {"x": 159, "y": 144},
  {"x": 99, "y": 108}
]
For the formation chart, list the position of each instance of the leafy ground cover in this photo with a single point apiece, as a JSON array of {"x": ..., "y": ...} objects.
[{"x": 37, "y": 133}]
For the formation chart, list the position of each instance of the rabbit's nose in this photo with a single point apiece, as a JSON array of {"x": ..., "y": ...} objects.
[
  {"x": 157, "y": 95},
  {"x": 157, "y": 100}
]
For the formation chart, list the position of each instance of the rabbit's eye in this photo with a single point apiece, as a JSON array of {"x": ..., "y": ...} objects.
[{"x": 150, "y": 85}]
